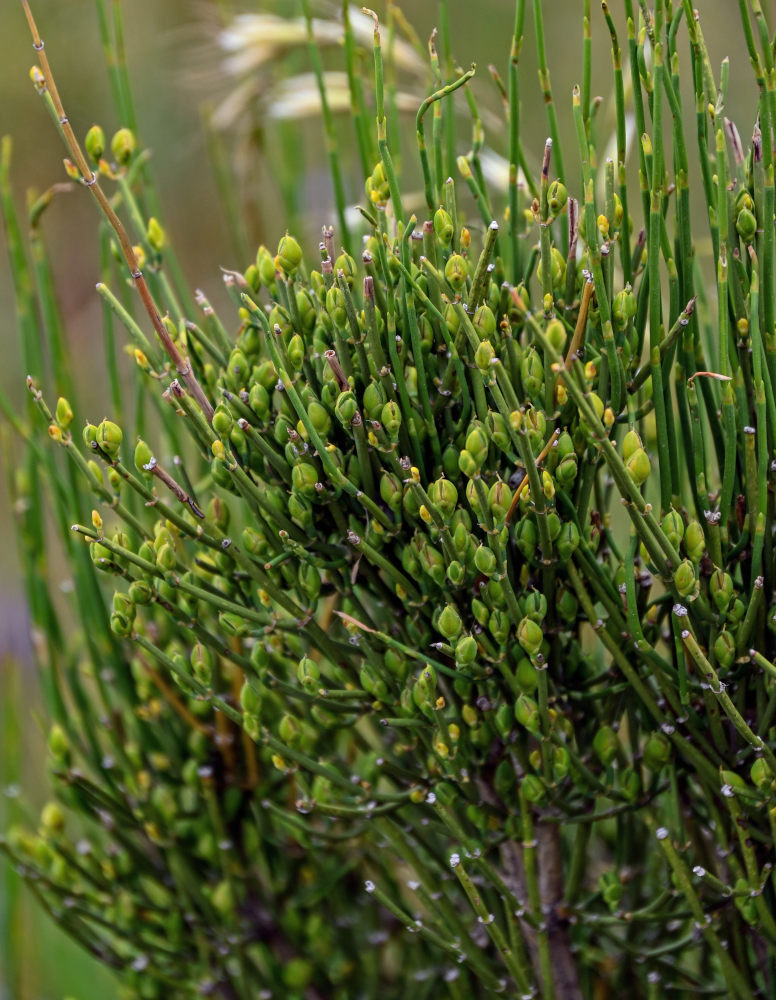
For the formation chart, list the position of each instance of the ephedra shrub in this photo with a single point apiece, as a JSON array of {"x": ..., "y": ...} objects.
[{"x": 423, "y": 626}]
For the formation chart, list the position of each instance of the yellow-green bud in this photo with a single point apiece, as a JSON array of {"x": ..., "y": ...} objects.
[
  {"x": 445, "y": 495},
  {"x": 530, "y": 636},
  {"x": 347, "y": 265},
  {"x": 638, "y": 466},
  {"x": 120, "y": 624},
  {"x": 289, "y": 255},
  {"x": 443, "y": 227},
  {"x": 724, "y": 649},
  {"x": 483, "y": 356},
  {"x": 673, "y": 527},
  {"x": 556, "y": 334},
  {"x": 252, "y": 278},
  {"x": 222, "y": 422},
  {"x": 123, "y": 602},
  {"x": 456, "y": 271},
  {"x": 308, "y": 673},
  {"x": 265, "y": 266},
  {"x": 143, "y": 457},
  {"x": 52, "y": 819},
  {"x": 71, "y": 170},
  {"x": 605, "y": 745},
  {"x": 94, "y": 143},
  {"x": 373, "y": 400},
  {"x": 694, "y": 541},
  {"x": 618, "y": 213},
  {"x": 156, "y": 235},
  {"x": 623, "y": 308},
  {"x": 319, "y": 418},
  {"x": 306, "y": 309},
  {"x": 202, "y": 663},
  {"x": 289, "y": 731},
  {"x": 566, "y": 472},
  {"x": 657, "y": 751},
  {"x": 89, "y": 435},
  {"x": 744, "y": 200},
  {"x": 485, "y": 560},
  {"x": 335, "y": 306},
  {"x": 123, "y": 145},
  {"x": 499, "y": 431},
  {"x": 557, "y": 196},
  {"x": 426, "y": 683},
  {"x": 469, "y": 466},
  {"x": 304, "y": 478},
  {"x": 533, "y": 788},
  {"x": 222, "y": 898},
  {"x": 526, "y": 675},
  {"x": 760, "y": 773},
  {"x": 238, "y": 367},
  {"x": 532, "y": 372},
  {"x": 557, "y": 269},
  {"x": 535, "y": 606},
  {"x": 721, "y": 589},
  {"x": 449, "y": 622},
  {"x": 232, "y": 624},
  {"x": 377, "y": 188},
  {"x": 140, "y": 592},
  {"x": 527, "y": 536},
  {"x": 611, "y": 889},
  {"x": 527, "y": 713},
  {"x": 165, "y": 558},
  {"x": 561, "y": 762},
  {"x": 630, "y": 444},
  {"x": 250, "y": 700},
  {"x": 296, "y": 352},
  {"x": 346, "y": 408},
  {"x": 746, "y": 225},
  {"x": 477, "y": 444},
  {"x": 465, "y": 651},
  {"x": 480, "y": 612},
  {"x": 390, "y": 418},
  {"x": 685, "y": 581},
  {"x": 64, "y": 413},
  {"x": 452, "y": 319},
  {"x": 484, "y": 322},
  {"x": 297, "y": 974},
  {"x": 58, "y": 743},
  {"x": 499, "y": 500},
  {"x": 109, "y": 438},
  {"x": 391, "y": 490}
]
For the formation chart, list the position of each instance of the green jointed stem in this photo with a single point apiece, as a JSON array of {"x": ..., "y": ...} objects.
[
  {"x": 434, "y": 192},
  {"x": 546, "y": 87},
  {"x": 514, "y": 138}
]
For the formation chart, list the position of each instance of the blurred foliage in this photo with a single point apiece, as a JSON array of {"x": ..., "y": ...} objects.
[{"x": 37, "y": 959}]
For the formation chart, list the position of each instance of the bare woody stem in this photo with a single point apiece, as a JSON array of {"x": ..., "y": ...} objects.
[
  {"x": 91, "y": 181},
  {"x": 155, "y": 469},
  {"x": 579, "y": 329},
  {"x": 524, "y": 481}
]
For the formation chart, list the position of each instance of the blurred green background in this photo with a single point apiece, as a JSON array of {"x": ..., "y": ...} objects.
[{"x": 176, "y": 71}]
